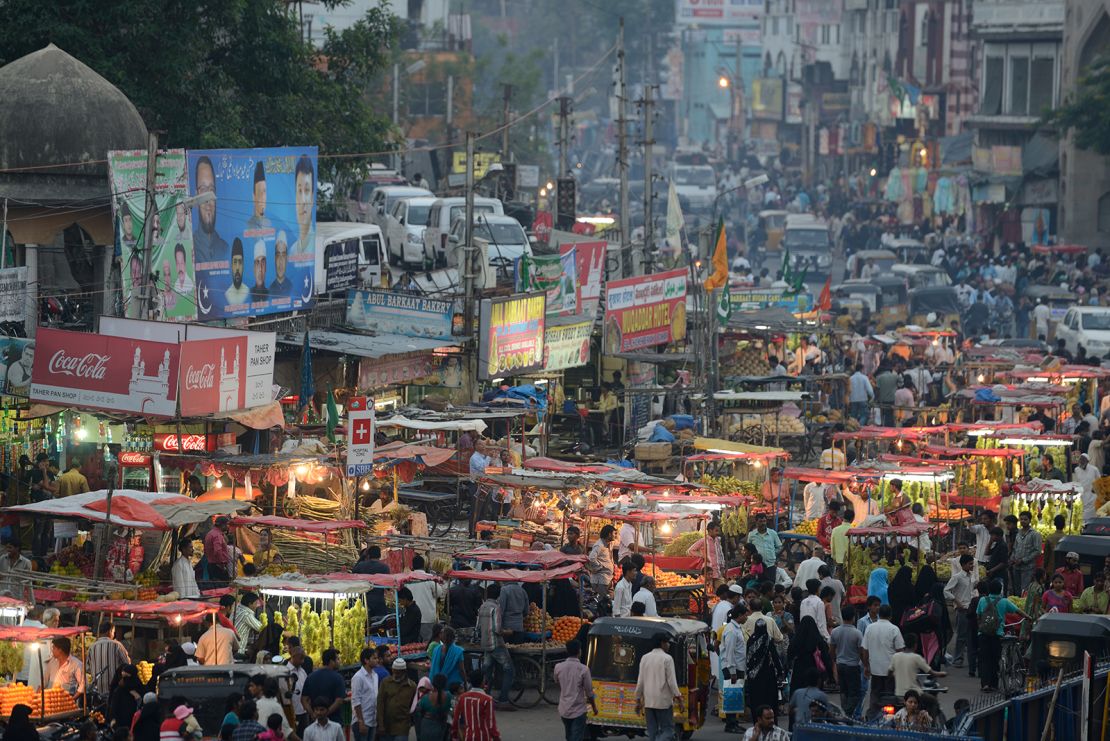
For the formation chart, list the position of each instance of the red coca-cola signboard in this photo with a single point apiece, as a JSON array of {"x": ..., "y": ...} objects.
[
  {"x": 190, "y": 443},
  {"x": 93, "y": 371},
  {"x": 213, "y": 375}
]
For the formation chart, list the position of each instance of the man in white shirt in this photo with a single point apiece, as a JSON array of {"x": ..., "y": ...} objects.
[
  {"x": 814, "y": 606},
  {"x": 961, "y": 590},
  {"x": 881, "y": 641},
  {"x": 628, "y": 541},
  {"x": 646, "y": 595},
  {"x": 66, "y": 671},
  {"x": 982, "y": 533},
  {"x": 15, "y": 570},
  {"x": 657, "y": 689},
  {"x": 1041, "y": 314},
  {"x": 364, "y": 697},
  {"x": 622, "y": 594},
  {"x": 734, "y": 649},
  {"x": 863, "y": 506},
  {"x": 184, "y": 578},
  {"x": 426, "y": 595},
  {"x": 1085, "y": 475},
  {"x": 31, "y": 673},
  {"x": 813, "y": 499},
  {"x": 808, "y": 569},
  {"x": 728, "y": 597}
]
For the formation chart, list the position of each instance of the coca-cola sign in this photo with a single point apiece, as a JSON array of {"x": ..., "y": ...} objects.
[
  {"x": 214, "y": 373},
  {"x": 89, "y": 365},
  {"x": 131, "y": 458},
  {"x": 92, "y": 371},
  {"x": 199, "y": 378},
  {"x": 189, "y": 443}
]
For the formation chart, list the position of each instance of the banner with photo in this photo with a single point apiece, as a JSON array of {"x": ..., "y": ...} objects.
[
  {"x": 171, "y": 259},
  {"x": 425, "y": 369},
  {"x": 556, "y": 275},
  {"x": 589, "y": 260},
  {"x": 17, "y": 360},
  {"x": 255, "y": 244},
  {"x": 645, "y": 311},
  {"x": 511, "y": 332},
  {"x": 567, "y": 346}
]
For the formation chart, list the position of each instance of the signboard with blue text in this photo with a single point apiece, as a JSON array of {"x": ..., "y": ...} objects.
[
  {"x": 394, "y": 312},
  {"x": 255, "y": 244}
]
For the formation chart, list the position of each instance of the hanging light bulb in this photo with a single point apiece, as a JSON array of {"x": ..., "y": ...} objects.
[
  {"x": 365, "y": 485},
  {"x": 666, "y": 528},
  {"x": 301, "y": 470},
  {"x": 219, "y": 483}
]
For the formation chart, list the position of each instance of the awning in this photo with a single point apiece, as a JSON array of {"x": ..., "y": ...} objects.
[
  {"x": 540, "y": 463},
  {"x": 308, "y": 526},
  {"x": 889, "y": 433},
  {"x": 543, "y": 559},
  {"x": 288, "y": 586},
  {"x": 956, "y": 150},
  {"x": 643, "y": 517},
  {"x": 529, "y": 577},
  {"x": 386, "y": 581},
  {"x": 23, "y": 634},
  {"x": 179, "y": 611},
  {"x": 821, "y": 476},
  {"x": 457, "y": 425},
  {"x": 174, "y": 509},
  {"x": 424, "y": 454},
  {"x": 363, "y": 345},
  {"x": 942, "y": 451},
  {"x": 767, "y": 396},
  {"x": 738, "y": 450},
  {"x": 723, "y": 500}
]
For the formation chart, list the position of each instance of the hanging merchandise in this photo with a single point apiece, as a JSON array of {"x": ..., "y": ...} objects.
[{"x": 893, "y": 191}]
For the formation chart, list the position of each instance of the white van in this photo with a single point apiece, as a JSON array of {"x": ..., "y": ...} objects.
[
  {"x": 404, "y": 230},
  {"x": 383, "y": 198},
  {"x": 338, "y": 241},
  {"x": 443, "y": 214}
]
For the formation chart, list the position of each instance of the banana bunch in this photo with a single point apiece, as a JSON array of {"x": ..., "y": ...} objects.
[
  {"x": 729, "y": 485},
  {"x": 350, "y": 630},
  {"x": 735, "y": 523}
]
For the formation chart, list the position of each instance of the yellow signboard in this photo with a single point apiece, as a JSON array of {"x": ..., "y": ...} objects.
[{"x": 482, "y": 162}]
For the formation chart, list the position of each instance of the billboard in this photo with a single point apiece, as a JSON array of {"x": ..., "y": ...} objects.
[
  {"x": 13, "y": 294},
  {"x": 171, "y": 259},
  {"x": 645, "y": 311},
  {"x": 716, "y": 12},
  {"x": 567, "y": 346},
  {"x": 555, "y": 275},
  {"x": 400, "y": 313},
  {"x": 17, "y": 357},
  {"x": 341, "y": 264},
  {"x": 511, "y": 335},
  {"x": 590, "y": 268},
  {"x": 255, "y": 245},
  {"x": 95, "y": 371}
]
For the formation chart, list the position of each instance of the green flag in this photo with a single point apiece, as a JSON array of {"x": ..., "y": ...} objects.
[
  {"x": 333, "y": 416},
  {"x": 724, "y": 307},
  {"x": 784, "y": 268}
]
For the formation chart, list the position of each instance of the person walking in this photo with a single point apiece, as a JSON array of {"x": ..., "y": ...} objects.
[
  {"x": 764, "y": 669},
  {"x": 860, "y": 395},
  {"x": 880, "y": 642},
  {"x": 1027, "y": 549},
  {"x": 364, "y": 698},
  {"x": 959, "y": 590},
  {"x": 575, "y": 691},
  {"x": 657, "y": 690},
  {"x": 733, "y": 660},
  {"x": 475, "y": 719},
  {"x": 432, "y": 716},
  {"x": 491, "y": 635},
  {"x": 844, "y": 645},
  {"x": 991, "y": 614},
  {"x": 600, "y": 561},
  {"x": 395, "y": 695}
]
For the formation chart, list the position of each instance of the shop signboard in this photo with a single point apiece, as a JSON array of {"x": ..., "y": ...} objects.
[
  {"x": 256, "y": 351},
  {"x": 13, "y": 294},
  {"x": 17, "y": 357},
  {"x": 556, "y": 275},
  {"x": 511, "y": 335},
  {"x": 716, "y": 12},
  {"x": 95, "y": 371},
  {"x": 213, "y": 375},
  {"x": 420, "y": 370},
  {"x": 567, "y": 346},
  {"x": 400, "y": 313},
  {"x": 255, "y": 245},
  {"x": 590, "y": 267},
  {"x": 751, "y": 299},
  {"x": 171, "y": 259},
  {"x": 360, "y": 436},
  {"x": 645, "y": 311},
  {"x": 341, "y": 265}
]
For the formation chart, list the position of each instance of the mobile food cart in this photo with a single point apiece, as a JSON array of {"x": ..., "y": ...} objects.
[{"x": 47, "y": 704}]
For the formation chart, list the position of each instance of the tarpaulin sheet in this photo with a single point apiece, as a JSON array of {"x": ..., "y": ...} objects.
[
  {"x": 889, "y": 433},
  {"x": 640, "y": 516},
  {"x": 187, "y": 610},
  {"x": 309, "y": 526},
  {"x": 127, "y": 508},
  {"x": 385, "y": 581},
  {"x": 24, "y": 634},
  {"x": 545, "y": 559},
  {"x": 174, "y": 508},
  {"x": 314, "y": 584},
  {"x": 738, "y": 450},
  {"x": 541, "y": 463},
  {"x": 425, "y": 454},
  {"x": 822, "y": 476},
  {"x": 979, "y": 452},
  {"x": 529, "y": 577},
  {"x": 458, "y": 425}
]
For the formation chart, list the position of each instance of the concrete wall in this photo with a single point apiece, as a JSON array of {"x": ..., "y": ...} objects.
[{"x": 1084, "y": 176}]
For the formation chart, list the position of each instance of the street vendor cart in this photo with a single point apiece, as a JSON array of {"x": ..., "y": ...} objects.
[{"x": 47, "y": 704}]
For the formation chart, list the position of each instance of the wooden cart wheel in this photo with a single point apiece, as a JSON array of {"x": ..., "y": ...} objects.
[
  {"x": 752, "y": 435},
  {"x": 525, "y": 692},
  {"x": 441, "y": 518}
]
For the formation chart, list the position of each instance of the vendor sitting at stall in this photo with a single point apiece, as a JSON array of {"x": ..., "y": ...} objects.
[
  {"x": 267, "y": 554},
  {"x": 898, "y": 498},
  {"x": 383, "y": 503},
  {"x": 409, "y": 626},
  {"x": 709, "y": 550}
]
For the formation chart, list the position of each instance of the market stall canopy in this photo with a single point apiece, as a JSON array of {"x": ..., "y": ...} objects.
[
  {"x": 1057, "y": 375},
  {"x": 738, "y": 450},
  {"x": 641, "y": 516},
  {"x": 308, "y": 526},
  {"x": 987, "y": 427},
  {"x": 1014, "y": 396},
  {"x": 173, "y": 510},
  {"x": 385, "y": 581},
  {"x": 303, "y": 586},
  {"x": 363, "y": 345},
  {"x": 454, "y": 425},
  {"x": 541, "y": 463},
  {"x": 889, "y": 433},
  {"x": 423, "y": 454},
  {"x": 822, "y": 476},
  {"x": 723, "y": 500},
  {"x": 783, "y": 397},
  {"x": 178, "y": 611},
  {"x": 520, "y": 575},
  {"x": 909, "y": 529},
  {"x": 543, "y": 559},
  {"x": 1043, "y": 486},
  {"x": 943, "y": 451}
]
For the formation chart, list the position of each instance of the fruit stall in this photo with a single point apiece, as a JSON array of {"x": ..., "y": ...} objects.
[
  {"x": 1005, "y": 402},
  {"x": 873, "y": 547},
  {"x": 1046, "y": 499},
  {"x": 742, "y": 469},
  {"x": 847, "y": 479},
  {"x": 1033, "y": 445},
  {"x": 1083, "y": 381},
  {"x": 729, "y": 510},
  {"x": 47, "y": 704},
  {"x": 314, "y": 546},
  {"x": 981, "y": 473},
  {"x": 534, "y": 663},
  {"x": 870, "y": 442},
  {"x": 680, "y": 579},
  {"x": 759, "y": 417}
]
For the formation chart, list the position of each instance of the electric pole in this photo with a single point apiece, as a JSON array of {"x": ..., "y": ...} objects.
[
  {"x": 566, "y": 105},
  {"x": 506, "y": 100},
  {"x": 647, "y": 103},
  {"x": 467, "y": 269},
  {"x": 150, "y": 214},
  {"x": 622, "y": 156}
]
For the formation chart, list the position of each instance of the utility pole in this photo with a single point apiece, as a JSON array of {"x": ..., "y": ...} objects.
[
  {"x": 467, "y": 269},
  {"x": 396, "y": 110},
  {"x": 506, "y": 100},
  {"x": 149, "y": 215},
  {"x": 566, "y": 106},
  {"x": 622, "y": 156},
  {"x": 647, "y": 103}
]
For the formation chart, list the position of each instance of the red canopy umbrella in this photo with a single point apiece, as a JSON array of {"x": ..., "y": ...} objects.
[{"x": 127, "y": 508}]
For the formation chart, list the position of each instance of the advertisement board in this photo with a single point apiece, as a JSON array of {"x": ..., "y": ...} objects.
[
  {"x": 171, "y": 259},
  {"x": 255, "y": 245},
  {"x": 445, "y": 371},
  {"x": 213, "y": 375},
  {"x": 13, "y": 294},
  {"x": 17, "y": 357},
  {"x": 341, "y": 265},
  {"x": 716, "y": 12},
  {"x": 590, "y": 259},
  {"x": 567, "y": 346},
  {"x": 257, "y": 350},
  {"x": 511, "y": 335},
  {"x": 646, "y": 311},
  {"x": 400, "y": 313},
  {"x": 191, "y": 442},
  {"x": 95, "y": 371},
  {"x": 555, "y": 275}
]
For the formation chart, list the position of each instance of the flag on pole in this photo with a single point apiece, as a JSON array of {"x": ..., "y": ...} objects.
[
  {"x": 724, "y": 307},
  {"x": 719, "y": 277},
  {"x": 308, "y": 387},
  {"x": 824, "y": 301},
  {"x": 784, "y": 268},
  {"x": 675, "y": 220},
  {"x": 333, "y": 416}
]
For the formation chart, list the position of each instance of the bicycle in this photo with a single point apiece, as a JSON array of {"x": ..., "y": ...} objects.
[{"x": 1012, "y": 666}]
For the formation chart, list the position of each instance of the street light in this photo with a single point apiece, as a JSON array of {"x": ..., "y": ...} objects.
[{"x": 722, "y": 82}]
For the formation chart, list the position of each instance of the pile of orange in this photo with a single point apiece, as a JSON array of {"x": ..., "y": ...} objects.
[
  {"x": 566, "y": 628},
  {"x": 16, "y": 694},
  {"x": 57, "y": 701}
]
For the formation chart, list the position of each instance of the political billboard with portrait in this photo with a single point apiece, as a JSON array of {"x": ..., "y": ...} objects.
[{"x": 255, "y": 244}]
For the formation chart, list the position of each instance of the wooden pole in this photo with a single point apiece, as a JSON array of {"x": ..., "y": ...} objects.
[
  {"x": 98, "y": 567},
  {"x": 1051, "y": 711}
]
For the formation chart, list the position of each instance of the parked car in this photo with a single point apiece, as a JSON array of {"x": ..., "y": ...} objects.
[
  {"x": 383, "y": 198},
  {"x": 404, "y": 230},
  {"x": 356, "y": 195},
  {"x": 443, "y": 213},
  {"x": 1087, "y": 327},
  {"x": 696, "y": 186},
  {"x": 505, "y": 237}
]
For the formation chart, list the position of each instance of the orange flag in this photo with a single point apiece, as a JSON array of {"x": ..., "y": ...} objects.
[
  {"x": 824, "y": 301},
  {"x": 719, "y": 276}
]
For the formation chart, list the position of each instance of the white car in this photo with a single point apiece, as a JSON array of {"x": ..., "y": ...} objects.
[
  {"x": 404, "y": 230},
  {"x": 384, "y": 196},
  {"x": 445, "y": 212},
  {"x": 1087, "y": 327},
  {"x": 506, "y": 239},
  {"x": 696, "y": 185}
]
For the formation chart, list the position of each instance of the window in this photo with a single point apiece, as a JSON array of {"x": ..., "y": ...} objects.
[
  {"x": 825, "y": 39},
  {"x": 428, "y": 99},
  {"x": 775, "y": 26},
  {"x": 1042, "y": 75},
  {"x": 1019, "y": 86},
  {"x": 992, "y": 86},
  {"x": 789, "y": 25}
]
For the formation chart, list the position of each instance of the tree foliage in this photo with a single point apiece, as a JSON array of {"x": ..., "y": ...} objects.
[
  {"x": 221, "y": 73},
  {"x": 1087, "y": 113}
]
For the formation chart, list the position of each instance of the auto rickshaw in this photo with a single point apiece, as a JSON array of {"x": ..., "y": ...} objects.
[
  {"x": 1059, "y": 640},
  {"x": 1097, "y": 526},
  {"x": 940, "y": 301},
  {"x": 205, "y": 688},
  {"x": 773, "y": 225},
  {"x": 908, "y": 249},
  {"x": 883, "y": 260},
  {"x": 860, "y": 297},
  {"x": 1091, "y": 549},
  {"x": 613, "y": 652}
]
